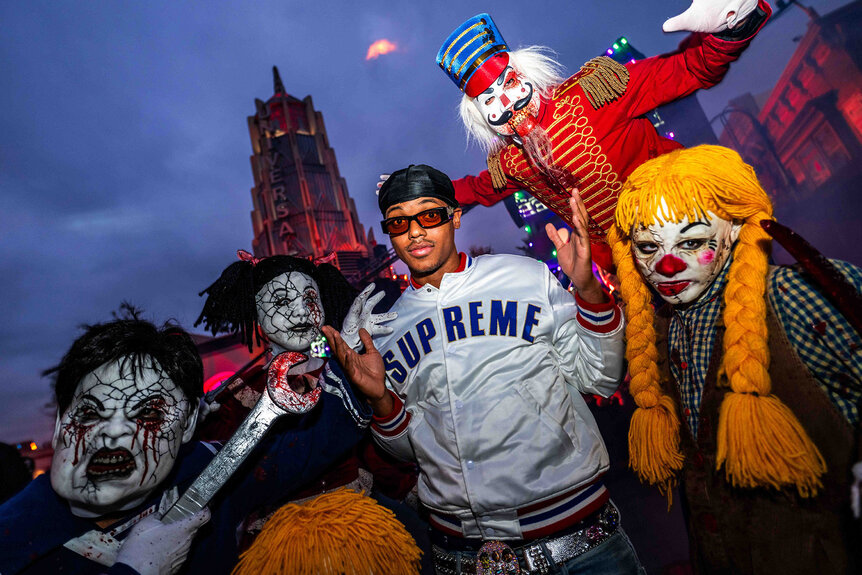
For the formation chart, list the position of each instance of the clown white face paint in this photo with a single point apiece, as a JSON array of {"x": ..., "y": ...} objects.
[
  {"x": 289, "y": 311},
  {"x": 501, "y": 103},
  {"x": 682, "y": 259},
  {"x": 119, "y": 437}
]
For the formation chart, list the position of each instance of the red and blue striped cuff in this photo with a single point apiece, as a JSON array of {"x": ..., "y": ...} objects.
[
  {"x": 598, "y": 317},
  {"x": 393, "y": 424}
]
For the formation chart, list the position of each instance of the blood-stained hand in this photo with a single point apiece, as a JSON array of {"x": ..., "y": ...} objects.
[{"x": 360, "y": 316}]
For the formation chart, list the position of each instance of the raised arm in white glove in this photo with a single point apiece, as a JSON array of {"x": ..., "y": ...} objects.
[
  {"x": 360, "y": 316},
  {"x": 156, "y": 548},
  {"x": 711, "y": 16}
]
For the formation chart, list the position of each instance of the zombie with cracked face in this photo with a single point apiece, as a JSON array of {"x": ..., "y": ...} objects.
[
  {"x": 279, "y": 301},
  {"x": 127, "y": 394},
  {"x": 119, "y": 437},
  {"x": 737, "y": 372},
  {"x": 123, "y": 412}
]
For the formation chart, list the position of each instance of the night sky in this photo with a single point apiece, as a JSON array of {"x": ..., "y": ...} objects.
[{"x": 124, "y": 148}]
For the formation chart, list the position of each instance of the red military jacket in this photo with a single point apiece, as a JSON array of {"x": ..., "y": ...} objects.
[{"x": 595, "y": 121}]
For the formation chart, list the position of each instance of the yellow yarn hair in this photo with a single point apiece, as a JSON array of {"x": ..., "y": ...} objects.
[
  {"x": 342, "y": 532},
  {"x": 760, "y": 441},
  {"x": 654, "y": 430}
]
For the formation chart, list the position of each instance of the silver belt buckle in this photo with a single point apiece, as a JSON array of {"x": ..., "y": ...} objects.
[{"x": 496, "y": 558}]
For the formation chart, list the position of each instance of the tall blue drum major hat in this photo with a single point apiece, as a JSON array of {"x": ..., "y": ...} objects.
[{"x": 474, "y": 55}]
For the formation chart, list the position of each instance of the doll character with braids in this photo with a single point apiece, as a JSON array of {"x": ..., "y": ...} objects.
[
  {"x": 748, "y": 380},
  {"x": 283, "y": 302}
]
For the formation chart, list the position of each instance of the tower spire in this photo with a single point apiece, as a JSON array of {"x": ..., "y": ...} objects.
[{"x": 276, "y": 81}]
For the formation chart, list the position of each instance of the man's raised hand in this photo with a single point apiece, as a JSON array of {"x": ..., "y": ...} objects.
[{"x": 573, "y": 251}]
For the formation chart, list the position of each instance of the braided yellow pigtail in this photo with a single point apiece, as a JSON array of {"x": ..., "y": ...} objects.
[
  {"x": 654, "y": 452},
  {"x": 760, "y": 441}
]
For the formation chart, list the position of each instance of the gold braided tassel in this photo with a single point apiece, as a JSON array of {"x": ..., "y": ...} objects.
[
  {"x": 603, "y": 80},
  {"x": 342, "y": 532},
  {"x": 498, "y": 178}
]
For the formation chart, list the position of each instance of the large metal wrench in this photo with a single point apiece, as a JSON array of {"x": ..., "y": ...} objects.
[{"x": 279, "y": 400}]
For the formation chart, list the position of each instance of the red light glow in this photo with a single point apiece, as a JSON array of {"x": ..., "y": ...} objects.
[
  {"x": 379, "y": 48},
  {"x": 216, "y": 380}
]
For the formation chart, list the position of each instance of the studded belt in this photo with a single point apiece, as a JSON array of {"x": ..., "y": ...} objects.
[{"x": 532, "y": 558}]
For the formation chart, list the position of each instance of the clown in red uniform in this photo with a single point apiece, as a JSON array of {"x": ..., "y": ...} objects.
[{"x": 547, "y": 135}]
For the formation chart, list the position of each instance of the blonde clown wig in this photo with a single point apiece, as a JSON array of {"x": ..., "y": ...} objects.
[{"x": 760, "y": 441}]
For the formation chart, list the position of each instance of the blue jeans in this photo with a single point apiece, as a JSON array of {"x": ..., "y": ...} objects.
[{"x": 615, "y": 556}]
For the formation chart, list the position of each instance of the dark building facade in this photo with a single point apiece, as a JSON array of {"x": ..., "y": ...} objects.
[
  {"x": 301, "y": 204},
  {"x": 805, "y": 139}
]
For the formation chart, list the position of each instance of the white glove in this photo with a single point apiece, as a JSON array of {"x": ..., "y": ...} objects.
[
  {"x": 156, "y": 548},
  {"x": 711, "y": 16},
  {"x": 207, "y": 408},
  {"x": 360, "y": 316},
  {"x": 855, "y": 490},
  {"x": 383, "y": 178}
]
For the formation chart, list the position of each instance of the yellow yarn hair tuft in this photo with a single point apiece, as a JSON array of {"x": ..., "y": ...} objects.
[
  {"x": 760, "y": 441},
  {"x": 654, "y": 452},
  {"x": 342, "y": 532}
]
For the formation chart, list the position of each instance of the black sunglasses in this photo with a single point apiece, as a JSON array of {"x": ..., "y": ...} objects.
[{"x": 427, "y": 219}]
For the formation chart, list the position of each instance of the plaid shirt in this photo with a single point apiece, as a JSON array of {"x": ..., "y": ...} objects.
[{"x": 823, "y": 339}]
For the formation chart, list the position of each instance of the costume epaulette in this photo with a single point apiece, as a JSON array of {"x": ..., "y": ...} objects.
[
  {"x": 602, "y": 79},
  {"x": 495, "y": 168}
]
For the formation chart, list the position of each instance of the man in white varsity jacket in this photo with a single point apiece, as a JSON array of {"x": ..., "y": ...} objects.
[{"x": 488, "y": 358}]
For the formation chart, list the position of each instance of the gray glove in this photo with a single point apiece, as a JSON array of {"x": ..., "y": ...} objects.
[
  {"x": 156, "y": 548},
  {"x": 360, "y": 316}
]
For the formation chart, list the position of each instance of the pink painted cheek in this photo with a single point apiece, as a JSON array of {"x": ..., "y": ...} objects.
[{"x": 706, "y": 257}]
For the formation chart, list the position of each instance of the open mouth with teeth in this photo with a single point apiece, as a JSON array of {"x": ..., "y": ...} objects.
[{"x": 107, "y": 464}]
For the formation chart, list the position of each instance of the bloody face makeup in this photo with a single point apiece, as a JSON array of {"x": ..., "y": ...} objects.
[
  {"x": 682, "y": 259},
  {"x": 290, "y": 311},
  {"x": 508, "y": 105},
  {"x": 119, "y": 437}
]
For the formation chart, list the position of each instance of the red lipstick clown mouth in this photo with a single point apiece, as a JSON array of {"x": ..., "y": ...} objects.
[
  {"x": 107, "y": 464},
  {"x": 672, "y": 288}
]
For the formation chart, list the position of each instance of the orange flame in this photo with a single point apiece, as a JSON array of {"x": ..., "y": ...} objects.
[{"x": 379, "y": 48}]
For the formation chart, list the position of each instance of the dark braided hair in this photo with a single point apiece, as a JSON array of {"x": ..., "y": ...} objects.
[{"x": 230, "y": 305}]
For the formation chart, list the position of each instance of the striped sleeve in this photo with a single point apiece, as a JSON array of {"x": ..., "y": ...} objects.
[
  {"x": 393, "y": 424},
  {"x": 598, "y": 317}
]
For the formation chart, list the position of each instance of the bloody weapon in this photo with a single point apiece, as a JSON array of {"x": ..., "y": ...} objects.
[
  {"x": 280, "y": 399},
  {"x": 843, "y": 295}
]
